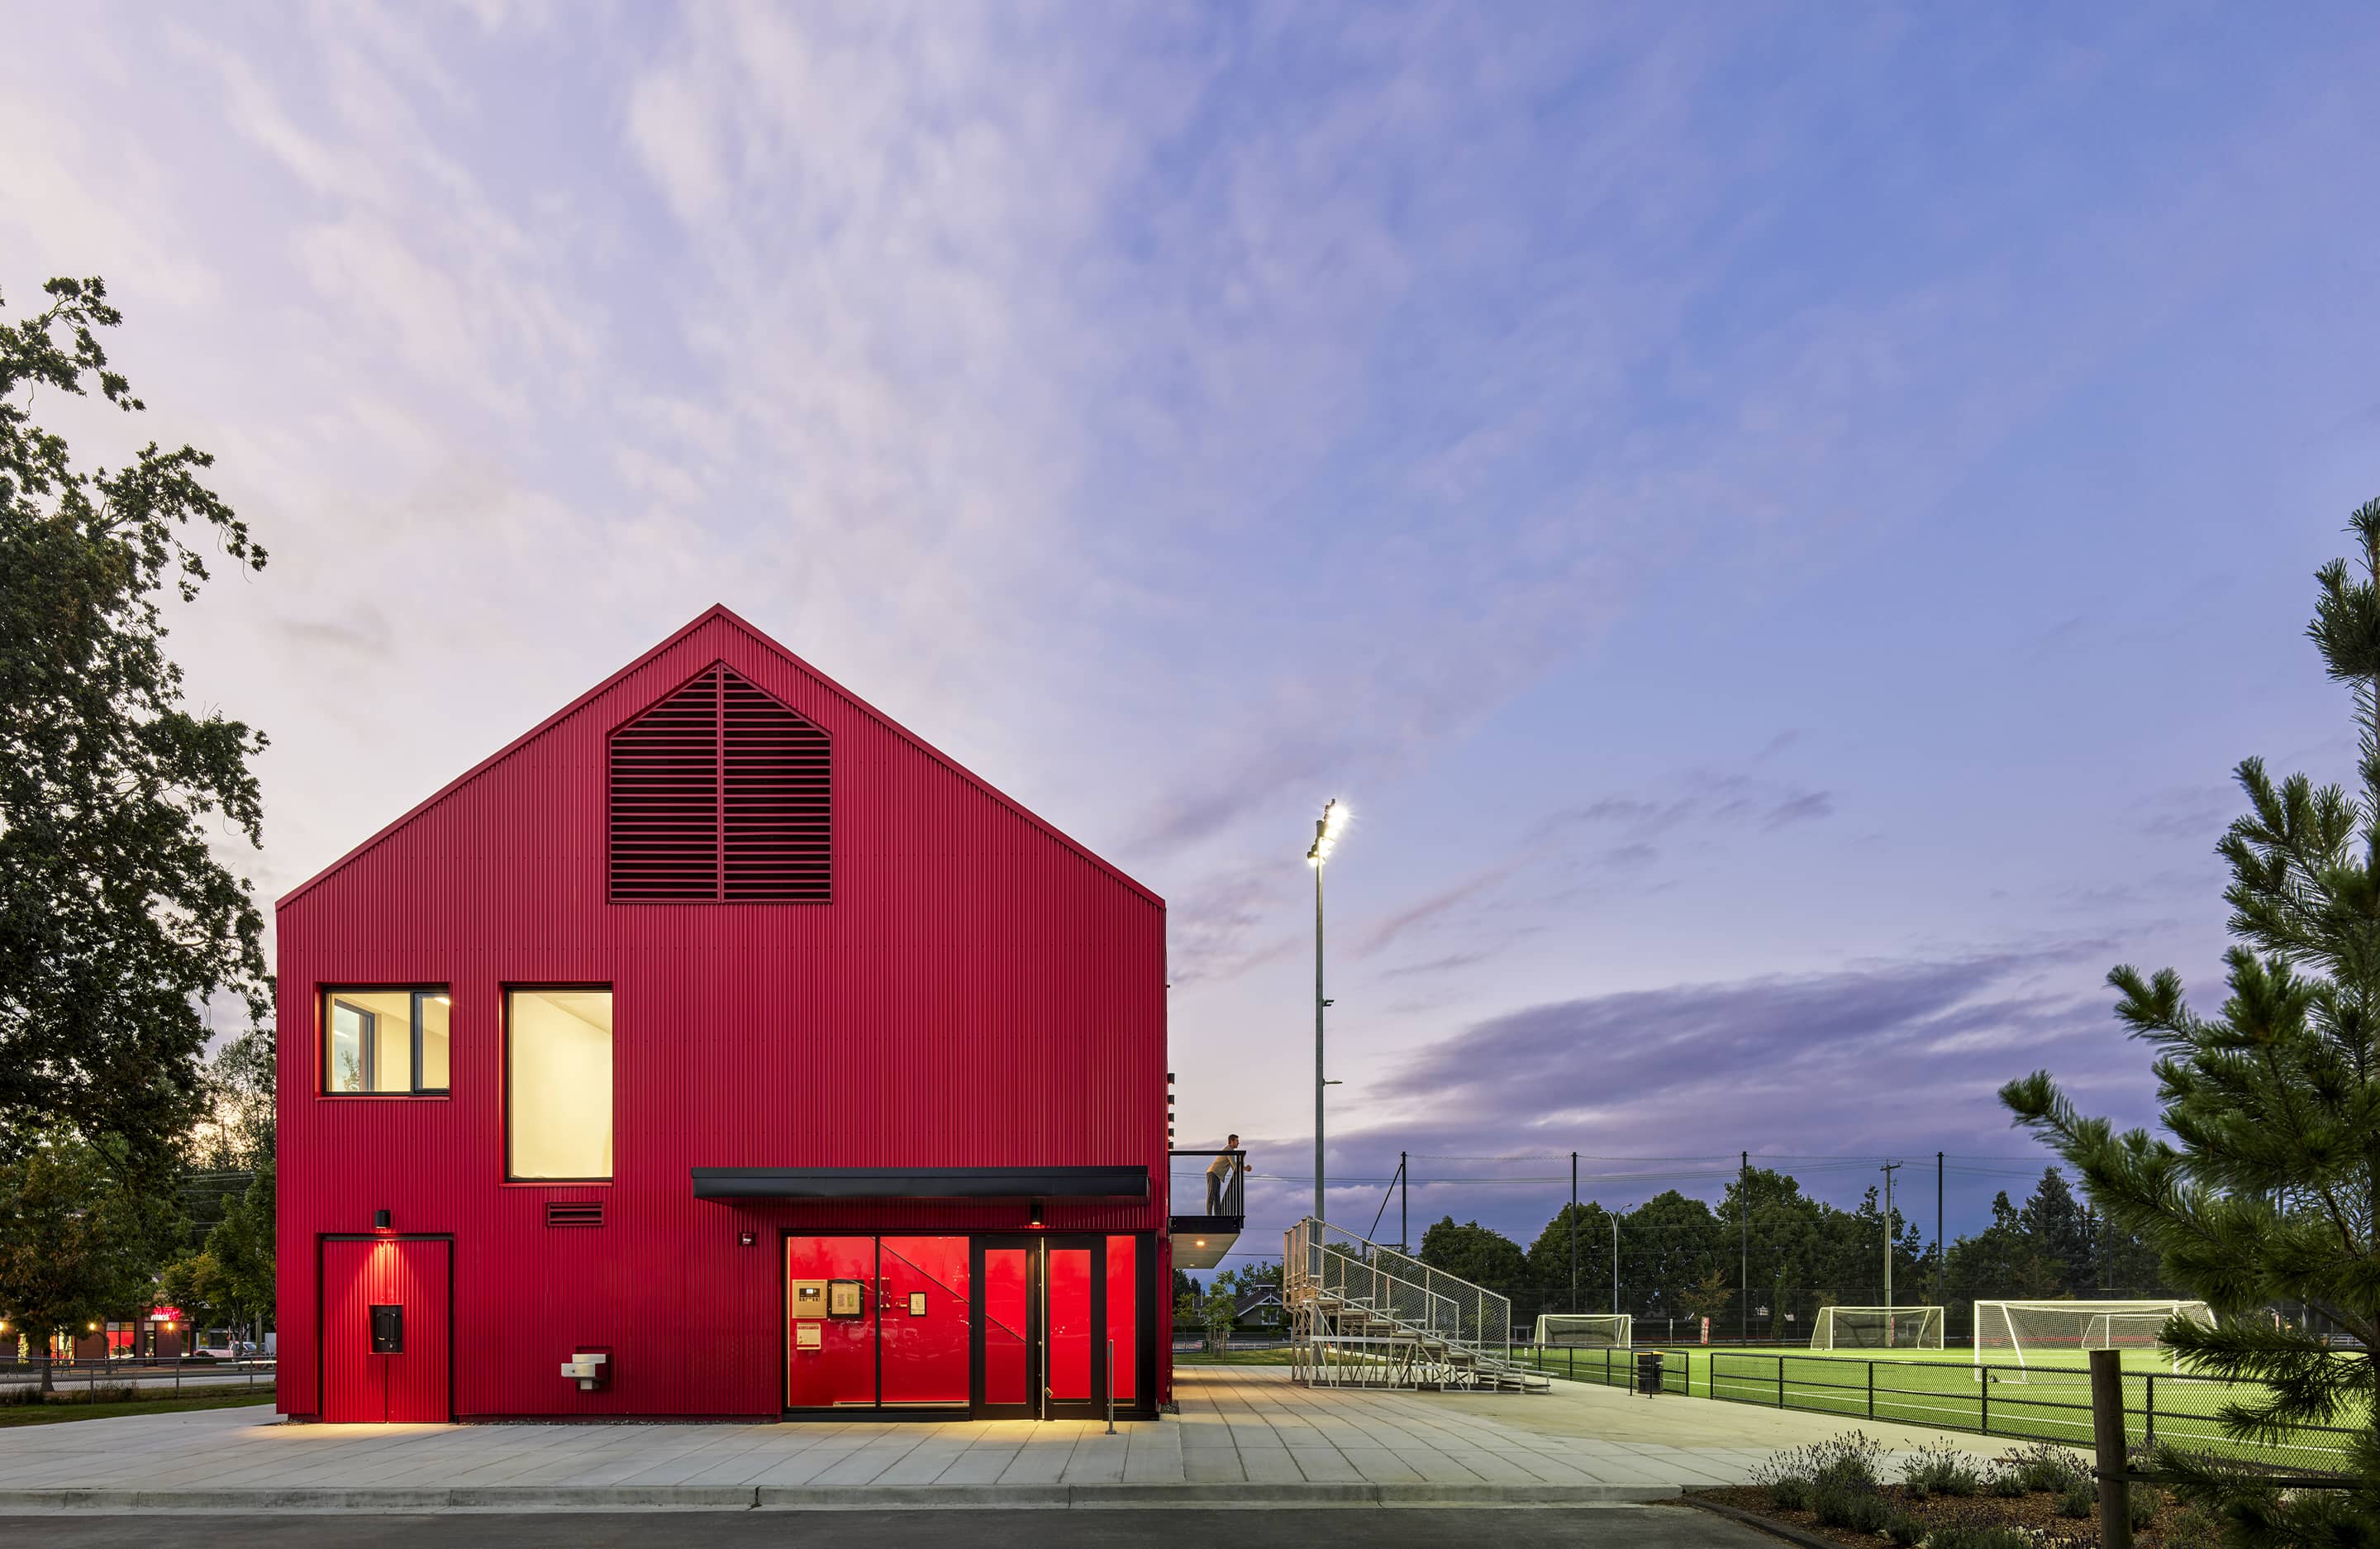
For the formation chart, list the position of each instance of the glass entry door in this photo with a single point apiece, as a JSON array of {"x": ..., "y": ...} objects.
[{"x": 1041, "y": 1327}]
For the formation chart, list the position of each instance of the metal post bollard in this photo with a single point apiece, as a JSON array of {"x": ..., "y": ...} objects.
[{"x": 1110, "y": 1387}]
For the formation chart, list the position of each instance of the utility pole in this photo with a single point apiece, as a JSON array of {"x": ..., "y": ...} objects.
[
  {"x": 1941, "y": 1254},
  {"x": 1744, "y": 1219},
  {"x": 1573, "y": 1232},
  {"x": 1404, "y": 1245},
  {"x": 1888, "y": 1167}
]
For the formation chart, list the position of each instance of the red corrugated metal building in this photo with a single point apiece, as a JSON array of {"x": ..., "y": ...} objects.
[{"x": 718, "y": 1048}]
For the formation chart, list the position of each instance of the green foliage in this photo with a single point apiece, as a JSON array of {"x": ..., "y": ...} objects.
[
  {"x": 2046, "y": 1467},
  {"x": 241, "y": 1248},
  {"x": 2004, "y": 1484},
  {"x": 116, "y": 922},
  {"x": 1903, "y": 1529},
  {"x": 1850, "y": 1507},
  {"x": 1992, "y": 1536},
  {"x": 1942, "y": 1468},
  {"x": 1838, "y": 1477},
  {"x": 1472, "y": 1252},
  {"x": 2141, "y": 1503},
  {"x": 78, "y": 1232},
  {"x": 2078, "y": 1500},
  {"x": 2193, "y": 1525},
  {"x": 2265, "y": 1193}
]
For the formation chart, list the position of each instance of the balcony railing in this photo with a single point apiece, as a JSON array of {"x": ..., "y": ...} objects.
[{"x": 1190, "y": 1184}]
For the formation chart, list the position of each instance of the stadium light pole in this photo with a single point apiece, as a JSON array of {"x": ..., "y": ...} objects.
[{"x": 1327, "y": 829}]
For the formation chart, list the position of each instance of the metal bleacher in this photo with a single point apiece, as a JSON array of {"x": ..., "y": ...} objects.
[{"x": 1363, "y": 1314}]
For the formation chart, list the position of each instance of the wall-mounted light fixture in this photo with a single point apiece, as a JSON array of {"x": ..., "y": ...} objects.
[
  {"x": 380, "y": 1220},
  {"x": 745, "y": 1237},
  {"x": 1041, "y": 1208}
]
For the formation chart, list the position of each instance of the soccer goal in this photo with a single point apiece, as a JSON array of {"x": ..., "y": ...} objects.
[
  {"x": 2030, "y": 1336},
  {"x": 1877, "y": 1328},
  {"x": 1594, "y": 1330}
]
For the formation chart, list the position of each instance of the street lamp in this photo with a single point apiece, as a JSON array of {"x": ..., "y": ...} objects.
[{"x": 1327, "y": 829}]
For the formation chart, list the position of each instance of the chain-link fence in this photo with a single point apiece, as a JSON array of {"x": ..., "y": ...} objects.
[
  {"x": 133, "y": 1379},
  {"x": 2046, "y": 1401}
]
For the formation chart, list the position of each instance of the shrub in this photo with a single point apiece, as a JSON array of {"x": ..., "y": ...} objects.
[
  {"x": 1799, "y": 1478},
  {"x": 2004, "y": 1481},
  {"x": 2191, "y": 1526},
  {"x": 2046, "y": 1468},
  {"x": 1989, "y": 1536},
  {"x": 1942, "y": 1468},
  {"x": 2078, "y": 1499},
  {"x": 2142, "y": 1503},
  {"x": 1851, "y": 1506},
  {"x": 1903, "y": 1529}
]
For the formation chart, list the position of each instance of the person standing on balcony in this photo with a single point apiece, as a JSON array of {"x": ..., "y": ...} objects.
[{"x": 1219, "y": 1174}]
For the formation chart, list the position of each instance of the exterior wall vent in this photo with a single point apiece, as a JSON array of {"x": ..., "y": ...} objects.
[
  {"x": 574, "y": 1212},
  {"x": 719, "y": 794}
]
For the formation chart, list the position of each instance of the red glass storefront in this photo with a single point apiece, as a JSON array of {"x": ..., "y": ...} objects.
[{"x": 1044, "y": 1326}]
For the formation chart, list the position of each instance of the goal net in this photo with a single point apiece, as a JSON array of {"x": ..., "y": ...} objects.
[
  {"x": 1877, "y": 1328},
  {"x": 1599, "y": 1331},
  {"x": 2028, "y": 1335}
]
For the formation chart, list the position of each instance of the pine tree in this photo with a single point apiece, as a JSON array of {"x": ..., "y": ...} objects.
[{"x": 2265, "y": 1191}]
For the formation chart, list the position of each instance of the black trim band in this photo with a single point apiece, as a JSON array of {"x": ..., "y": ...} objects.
[{"x": 920, "y": 1183}]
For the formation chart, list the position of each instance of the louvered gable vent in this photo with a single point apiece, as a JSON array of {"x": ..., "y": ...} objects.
[{"x": 720, "y": 795}]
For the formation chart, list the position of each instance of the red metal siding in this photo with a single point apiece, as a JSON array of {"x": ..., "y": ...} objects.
[{"x": 981, "y": 991}]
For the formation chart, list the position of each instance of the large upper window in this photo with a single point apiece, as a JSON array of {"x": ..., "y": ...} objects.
[
  {"x": 719, "y": 794},
  {"x": 389, "y": 1041},
  {"x": 558, "y": 1084}
]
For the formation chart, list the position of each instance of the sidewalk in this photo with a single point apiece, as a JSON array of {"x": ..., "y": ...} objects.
[{"x": 1245, "y": 1436}]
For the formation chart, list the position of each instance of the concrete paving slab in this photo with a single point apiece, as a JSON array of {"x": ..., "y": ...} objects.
[{"x": 1244, "y": 1427}]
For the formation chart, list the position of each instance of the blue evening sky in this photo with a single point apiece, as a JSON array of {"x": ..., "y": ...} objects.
[{"x": 1778, "y": 519}]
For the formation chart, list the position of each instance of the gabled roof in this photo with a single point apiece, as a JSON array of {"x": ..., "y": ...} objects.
[{"x": 719, "y": 613}]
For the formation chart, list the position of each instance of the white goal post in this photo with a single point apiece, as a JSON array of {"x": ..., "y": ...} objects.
[
  {"x": 1597, "y": 1330},
  {"x": 2032, "y": 1335},
  {"x": 1877, "y": 1328}
]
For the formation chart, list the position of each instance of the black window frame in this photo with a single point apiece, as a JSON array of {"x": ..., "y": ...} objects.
[{"x": 418, "y": 994}]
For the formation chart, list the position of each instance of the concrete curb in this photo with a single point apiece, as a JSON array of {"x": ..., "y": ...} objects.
[
  {"x": 1775, "y": 1528},
  {"x": 849, "y": 1497}
]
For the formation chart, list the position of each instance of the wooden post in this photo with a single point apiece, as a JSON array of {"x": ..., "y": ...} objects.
[{"x": 2108, "y": 1431}]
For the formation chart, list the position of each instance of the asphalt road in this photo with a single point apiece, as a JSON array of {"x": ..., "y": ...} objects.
[{"x": 1618, "y": 1527}]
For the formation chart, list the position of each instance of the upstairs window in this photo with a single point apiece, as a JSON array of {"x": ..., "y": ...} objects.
[
  {"x": 720, "y": 794},
  {"x": 385, "y": 1042},
  {"x": 558, "y": 1084}
]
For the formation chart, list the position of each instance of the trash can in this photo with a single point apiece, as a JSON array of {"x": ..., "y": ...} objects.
[{"x": 1648, "y": 1372}]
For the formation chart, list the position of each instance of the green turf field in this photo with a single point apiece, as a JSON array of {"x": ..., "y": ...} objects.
[{"x": 2046, "y": 1398}]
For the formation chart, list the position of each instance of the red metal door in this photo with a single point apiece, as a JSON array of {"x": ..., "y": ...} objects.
[
  {"x": 385, "y": 1334},
  {"x": 922, "y": 1320}
]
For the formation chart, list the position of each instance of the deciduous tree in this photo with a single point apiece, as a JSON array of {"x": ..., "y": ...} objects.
[
  {"x": 117, "y": 922},
  {"x": 79, "y": 1234}
]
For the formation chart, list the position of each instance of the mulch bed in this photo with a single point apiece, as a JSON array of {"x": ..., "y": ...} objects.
[{"x": 2034, "y": 1513}]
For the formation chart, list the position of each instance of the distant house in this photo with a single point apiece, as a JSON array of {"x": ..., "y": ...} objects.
[{"x": 1259, "y": 1308}]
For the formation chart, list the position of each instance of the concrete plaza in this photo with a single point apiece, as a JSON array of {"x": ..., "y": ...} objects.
[{"x": 1245, "y": 1436}]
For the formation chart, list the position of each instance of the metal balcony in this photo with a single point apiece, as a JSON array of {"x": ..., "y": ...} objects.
[{"x": 1205, "y": 1224}]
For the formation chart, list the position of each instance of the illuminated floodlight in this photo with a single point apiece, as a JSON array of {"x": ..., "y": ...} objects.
[{"x": 1327, "y": 831}]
